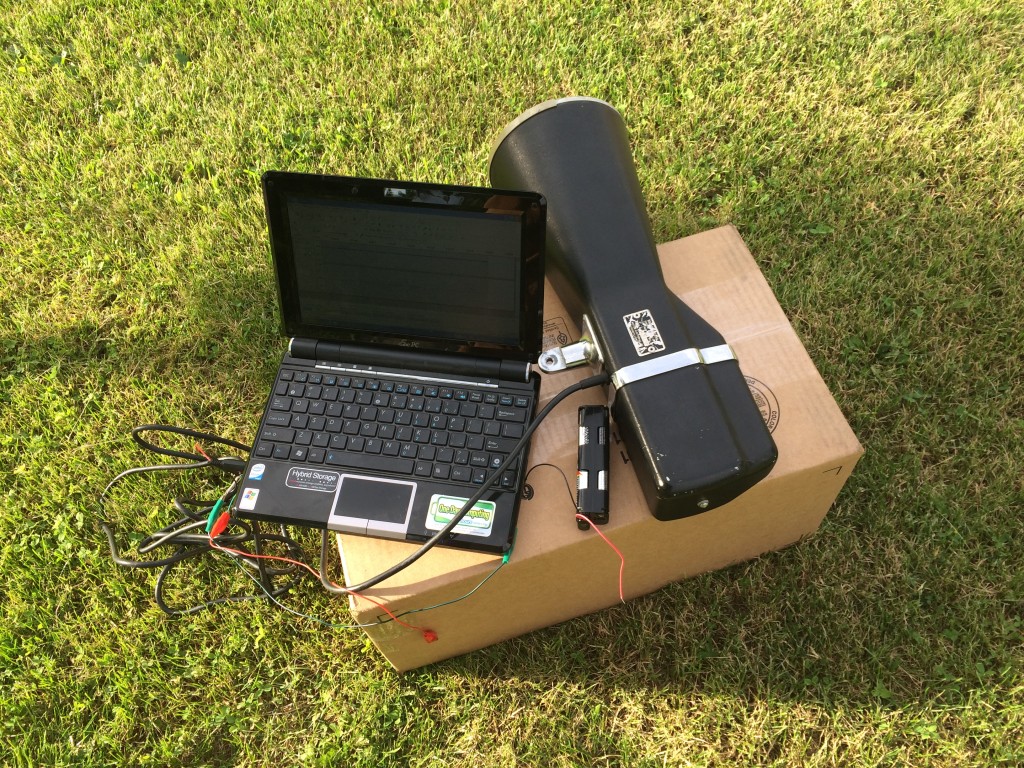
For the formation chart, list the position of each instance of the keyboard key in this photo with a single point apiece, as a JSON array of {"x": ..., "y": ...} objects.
[
  {"x": 285, "y": 375},
  {"x": 510, "y": 414},
  {"x": 338, "y": 442},
  {"x": 322, "y": 439},
  {"x": 446, "y": 455},
  {"x": 461, "y": 474},
  {"x": 301, "y": 377},
  {"x": 279, "y": 420},
  {"x": 316, "y": 456},
  {"x": 423, "y": 468},
  {"x": 277, "y": 434},
  {"x": 374, "y": 445},
  {"x": 299, "y": 453},
  {"x": 303, "y": 437},
  {"x": 281, "y": 404},
  {"x": 282, "y": 451},
  {"x": 264, "y": 450},
  {"x": 499, "y": 445},
  {"x": 512, "y": 430}
]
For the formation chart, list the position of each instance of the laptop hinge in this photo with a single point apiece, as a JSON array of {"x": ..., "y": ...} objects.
[{"x": 332, "y": 351}]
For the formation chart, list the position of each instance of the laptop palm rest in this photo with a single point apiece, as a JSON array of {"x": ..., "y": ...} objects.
[{"x": 372, "y": 506}]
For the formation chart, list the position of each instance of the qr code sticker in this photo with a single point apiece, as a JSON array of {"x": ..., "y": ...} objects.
[{"x": 644, "y": 332}]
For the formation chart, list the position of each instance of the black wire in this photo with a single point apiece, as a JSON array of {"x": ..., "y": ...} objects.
[
  {"x": 592, "y": 381},
  {"x": 204, "y": 436},
  {"x": 187, "y": 535}
]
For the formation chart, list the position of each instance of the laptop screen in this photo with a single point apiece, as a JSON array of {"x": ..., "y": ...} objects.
[{"x": 408, "y": 265}]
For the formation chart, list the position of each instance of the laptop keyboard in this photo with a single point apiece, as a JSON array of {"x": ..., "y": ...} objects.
[{"x": 456, "y": 434}]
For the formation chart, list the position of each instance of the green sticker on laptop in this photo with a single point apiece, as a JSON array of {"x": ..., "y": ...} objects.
[{"x": 478, "y": 521}]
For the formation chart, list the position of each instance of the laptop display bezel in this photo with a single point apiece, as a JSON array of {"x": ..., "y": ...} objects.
[{"x": 279, "y": 187}]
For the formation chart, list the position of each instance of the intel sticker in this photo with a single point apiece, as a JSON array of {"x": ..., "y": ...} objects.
[
  {"x": 256, "y": 471},
  {"x": 478, "y": 521}
]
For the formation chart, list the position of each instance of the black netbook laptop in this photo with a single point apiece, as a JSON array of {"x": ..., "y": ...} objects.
[{"x": 415, "y": 312}]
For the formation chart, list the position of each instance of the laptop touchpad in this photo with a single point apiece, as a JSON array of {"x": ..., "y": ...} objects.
[{"x": 372, "y": 505}]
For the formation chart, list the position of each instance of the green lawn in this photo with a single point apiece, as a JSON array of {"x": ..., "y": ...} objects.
[{"x": 872, "y": 157}]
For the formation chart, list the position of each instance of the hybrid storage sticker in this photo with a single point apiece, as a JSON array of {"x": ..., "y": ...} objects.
[
  {"x": 311, "y": 480},
  {"x": 479, "y": 521}
]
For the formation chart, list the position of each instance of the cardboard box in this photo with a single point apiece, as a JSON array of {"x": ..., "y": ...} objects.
[{"x": 715, "y": 274}]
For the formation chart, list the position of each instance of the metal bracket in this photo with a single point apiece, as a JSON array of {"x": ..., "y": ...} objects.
[{"x": 583, "y": 351}]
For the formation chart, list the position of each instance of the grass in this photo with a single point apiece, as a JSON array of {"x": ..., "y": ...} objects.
[{"x": 872, "y": 155}]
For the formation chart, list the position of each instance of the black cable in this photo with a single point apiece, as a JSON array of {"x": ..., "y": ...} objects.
[
  {"x": 592, "y": 381},
  {"x": 187, "y": 535}
]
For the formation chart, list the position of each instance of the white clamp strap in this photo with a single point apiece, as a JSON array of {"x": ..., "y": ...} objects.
[{"x": 682, "y": 359}]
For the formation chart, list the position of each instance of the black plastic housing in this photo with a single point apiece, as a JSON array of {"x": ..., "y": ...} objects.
[{"x": 694, "y": 433}]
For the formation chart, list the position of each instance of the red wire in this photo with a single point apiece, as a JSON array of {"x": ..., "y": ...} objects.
[
  {"x": 199, "y": 448},
  {"x": 622, "y": 559},
  {"x": 428, "y": 634}
]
